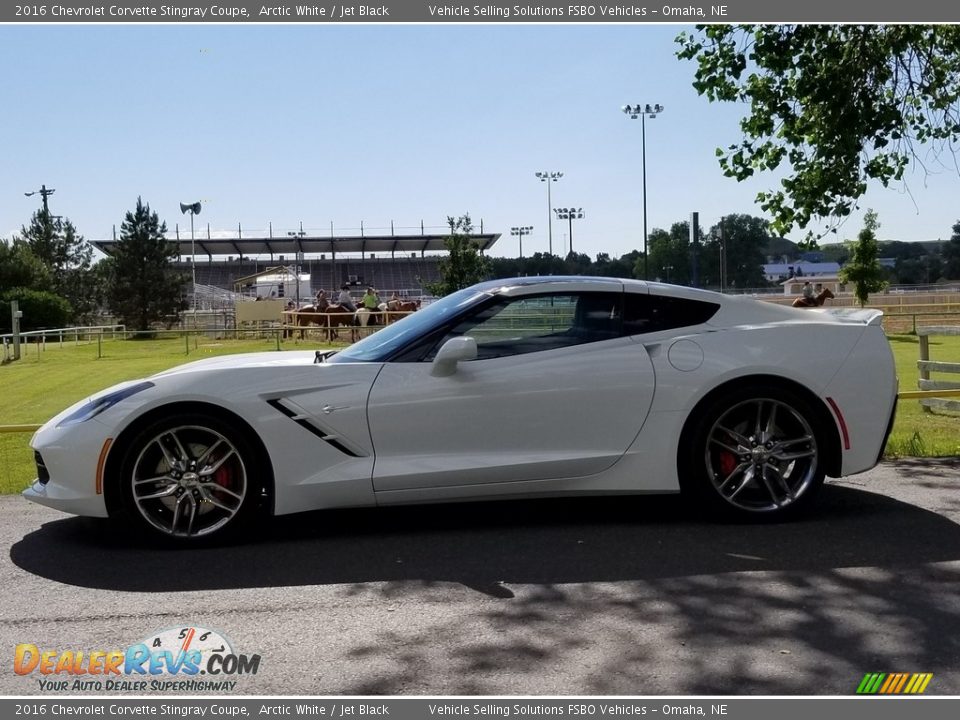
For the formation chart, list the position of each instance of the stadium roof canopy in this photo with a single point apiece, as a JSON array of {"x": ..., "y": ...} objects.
[{"x": 244, "y": 246}]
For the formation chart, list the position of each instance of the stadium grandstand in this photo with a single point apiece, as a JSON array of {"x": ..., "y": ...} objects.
[{"x": 401, "y": 264}]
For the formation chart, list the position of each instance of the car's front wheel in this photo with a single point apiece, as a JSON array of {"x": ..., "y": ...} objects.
[
  {"x": 189, "y": 478},
  {"x": 755, "y": 452}
]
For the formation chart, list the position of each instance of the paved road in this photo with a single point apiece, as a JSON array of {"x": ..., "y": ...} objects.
[{"x": 556, "y": 597}]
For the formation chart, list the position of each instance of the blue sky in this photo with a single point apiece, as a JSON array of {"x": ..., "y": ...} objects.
[{"x": 325, "y": 123}]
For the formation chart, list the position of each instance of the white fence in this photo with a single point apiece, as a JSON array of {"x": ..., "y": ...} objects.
[{"x": 926, "y": 366}]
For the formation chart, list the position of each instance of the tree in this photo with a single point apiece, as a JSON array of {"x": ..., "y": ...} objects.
[
  {"x": 864, "y": 269},
  {"x": 922, "y": 270},
  {"x": 951, "y": 255},
  {"x": 670, "y": 253},
  {"x": 41, "y": 309},
  {"x": 836, "y": 252},
  {"x": 626, "y": 266},
  {"x": 836, "y": 106},
  {"x": 743, "y": 238},
  {"x": 464, "y": 264},
  {"x": 20, "y": 268},
  {"x": 67, "y": 256},
  {"x": 143, "y": 286}
]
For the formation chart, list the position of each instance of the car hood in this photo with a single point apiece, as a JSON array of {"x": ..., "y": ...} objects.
[{"x": 246, "y": 360}]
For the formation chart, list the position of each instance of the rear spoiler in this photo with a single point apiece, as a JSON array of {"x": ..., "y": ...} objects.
[{"x": 857, "y": 316}]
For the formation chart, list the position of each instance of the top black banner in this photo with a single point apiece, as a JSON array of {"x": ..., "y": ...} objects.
[{"x": 426, "y": 11}]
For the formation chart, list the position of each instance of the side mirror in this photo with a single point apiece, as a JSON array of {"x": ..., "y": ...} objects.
[{"x": 451, "y": 352}]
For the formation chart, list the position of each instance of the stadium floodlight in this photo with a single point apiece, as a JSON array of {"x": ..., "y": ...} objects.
[
  {"x": 548, "y": 177},
  {"x": 569, "y": 214},
  {"x": 193, "y": 209},
  {"x": 520, "y": 232},
  {"x": 643, "y": 112}
]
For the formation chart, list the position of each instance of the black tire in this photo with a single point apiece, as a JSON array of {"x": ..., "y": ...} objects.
[
  {"x": 753, "y": 453},
  {"x": 189, "y": 479}
]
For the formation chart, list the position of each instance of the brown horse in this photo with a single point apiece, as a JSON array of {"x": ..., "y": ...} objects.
[
  {"x": 396, "y": 308},
  {"x": 326, "y": 316},
  {"x": 820, "y": 299}
]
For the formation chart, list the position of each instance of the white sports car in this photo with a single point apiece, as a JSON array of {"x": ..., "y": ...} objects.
[{"x": 511, "y": 388}]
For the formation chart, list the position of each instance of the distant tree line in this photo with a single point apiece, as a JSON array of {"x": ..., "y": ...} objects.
[{"x": 48, "y": 267}]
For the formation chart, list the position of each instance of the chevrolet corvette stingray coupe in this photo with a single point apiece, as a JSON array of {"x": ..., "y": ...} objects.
[{"x": 513, "y": 388}]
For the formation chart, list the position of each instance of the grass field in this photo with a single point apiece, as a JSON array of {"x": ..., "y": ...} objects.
[{"x": 47, "y": 380}]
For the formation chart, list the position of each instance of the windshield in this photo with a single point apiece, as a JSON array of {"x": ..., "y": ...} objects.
[{"x": 382, "y": 344}]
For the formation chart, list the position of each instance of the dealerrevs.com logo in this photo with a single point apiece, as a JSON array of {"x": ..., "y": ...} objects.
[{"x": 181, "y": 659}]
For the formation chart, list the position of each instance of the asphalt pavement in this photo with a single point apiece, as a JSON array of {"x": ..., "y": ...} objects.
[{"x": 574, "y": 596}]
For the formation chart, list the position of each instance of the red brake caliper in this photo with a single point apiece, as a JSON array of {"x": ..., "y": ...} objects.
[
  {"x": 223, "y": 475},
  {"x": 728, "y": 461}
]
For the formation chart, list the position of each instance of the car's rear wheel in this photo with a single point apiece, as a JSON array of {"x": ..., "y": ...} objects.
[
  {"x": 189, "y": 478},
  {"x": 756, "y": 452}
]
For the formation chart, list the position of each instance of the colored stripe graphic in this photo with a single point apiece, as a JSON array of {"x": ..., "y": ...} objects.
[{"x": 894, "y": 683}]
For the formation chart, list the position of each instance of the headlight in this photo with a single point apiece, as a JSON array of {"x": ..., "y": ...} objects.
[{"x": 98, "y": 405}]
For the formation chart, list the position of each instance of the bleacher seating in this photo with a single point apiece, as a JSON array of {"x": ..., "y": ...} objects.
[{"x": 403, "y": 274}]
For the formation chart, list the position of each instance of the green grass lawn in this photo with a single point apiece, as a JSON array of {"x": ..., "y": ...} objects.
[{"x": 46, "y": 381}]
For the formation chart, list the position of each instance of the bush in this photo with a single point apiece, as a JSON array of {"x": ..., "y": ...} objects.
[{"x": 41, "y": 309}]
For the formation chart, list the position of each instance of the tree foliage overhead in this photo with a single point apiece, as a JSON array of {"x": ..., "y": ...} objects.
[
  {"x": 832, "y": 106},
  {"x": 464, "y": 265},
  {"x": 143, "y": 287},
  {"x": 864, "y": 269}
]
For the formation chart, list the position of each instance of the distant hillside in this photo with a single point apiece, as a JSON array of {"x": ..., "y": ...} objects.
[{"x": 778, "y": 246}]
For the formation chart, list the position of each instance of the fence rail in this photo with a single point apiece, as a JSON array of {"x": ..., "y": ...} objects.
[
  {"x": 67, "y": 332},
  {"x": 18, "y": 428},
  {"x": 938, "y": 390}
]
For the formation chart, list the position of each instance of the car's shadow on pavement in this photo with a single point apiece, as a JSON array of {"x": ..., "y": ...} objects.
[{"x": 486, "y": 546}]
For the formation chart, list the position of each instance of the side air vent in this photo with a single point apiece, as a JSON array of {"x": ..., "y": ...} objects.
[{"x": 309, "y": 423}]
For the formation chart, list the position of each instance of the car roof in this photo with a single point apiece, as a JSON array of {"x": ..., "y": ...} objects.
[{"x": 608, "y": 284}]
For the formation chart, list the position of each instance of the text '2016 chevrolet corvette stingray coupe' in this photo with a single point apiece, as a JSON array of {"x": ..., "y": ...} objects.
[{"x": 511, "y": 388}]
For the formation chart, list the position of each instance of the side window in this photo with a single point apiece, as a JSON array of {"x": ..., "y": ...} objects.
[
  {"x": 652, "y": 313},
  {"x": 515, "y": 326}
]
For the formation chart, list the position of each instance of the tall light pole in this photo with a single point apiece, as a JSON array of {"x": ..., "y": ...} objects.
[
  {"x": 298, "y": 235},
  {"x": 642, "y": 111},
  {"x": 569, "y": 214},
  {"x": 193, "y": 209},
  {"x": 520, "y": 232},
  {"x": 548, "y": 177}
]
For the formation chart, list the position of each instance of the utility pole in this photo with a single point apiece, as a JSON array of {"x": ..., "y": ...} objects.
[{"x": 44, "y": 193}]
